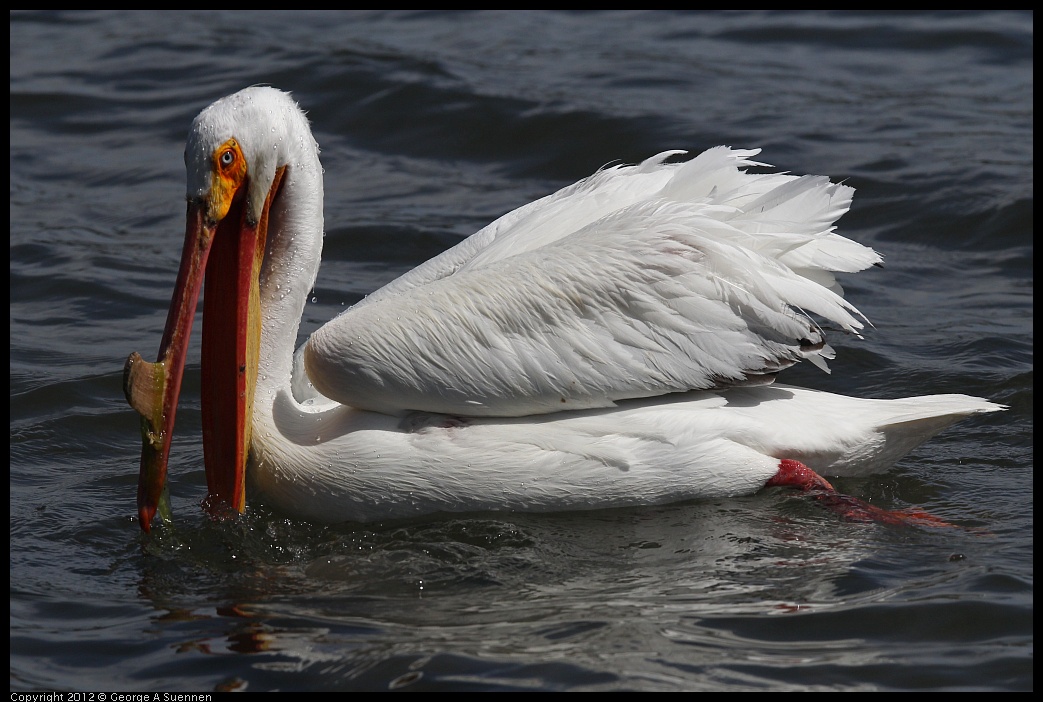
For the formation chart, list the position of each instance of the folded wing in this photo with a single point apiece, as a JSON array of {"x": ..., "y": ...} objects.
[{"x": 636, "y": 282}]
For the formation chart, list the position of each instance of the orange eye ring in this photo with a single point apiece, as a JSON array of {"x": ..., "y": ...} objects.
[{"x": 229, "y": 168}]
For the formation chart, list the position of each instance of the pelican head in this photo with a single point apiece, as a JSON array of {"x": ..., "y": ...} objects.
[{"x": 236, "y": 156}]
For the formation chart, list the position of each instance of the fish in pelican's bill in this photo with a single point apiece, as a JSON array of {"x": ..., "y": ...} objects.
[{"x": 614, "y": 343}]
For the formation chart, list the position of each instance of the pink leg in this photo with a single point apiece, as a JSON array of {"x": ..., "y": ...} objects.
[{"x": 795, "y": 474}]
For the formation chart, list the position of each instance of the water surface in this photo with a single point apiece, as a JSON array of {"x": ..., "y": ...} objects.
[{"x": 431, "y": 125}]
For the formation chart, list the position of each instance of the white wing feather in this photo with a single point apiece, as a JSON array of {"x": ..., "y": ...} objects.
[{"x": 635, "y": 282}]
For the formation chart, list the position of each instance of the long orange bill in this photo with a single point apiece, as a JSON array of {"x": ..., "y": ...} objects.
[
  {"x": 152, "y": 388},
  {"x": 230, "y": 253},
  {"x": 231, "y": 339}
]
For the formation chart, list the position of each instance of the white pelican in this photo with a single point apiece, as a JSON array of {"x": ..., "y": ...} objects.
[{"x": 610, "y": 344}]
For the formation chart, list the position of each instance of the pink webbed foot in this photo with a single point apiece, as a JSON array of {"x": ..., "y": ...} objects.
[{"x": 795, "y": 474}]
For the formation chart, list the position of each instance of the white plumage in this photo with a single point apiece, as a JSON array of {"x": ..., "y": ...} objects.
[
  {"x": 607, "y": 345},
  {"x": 635, "y": 282},
  {"x": 340, "y": 463}
]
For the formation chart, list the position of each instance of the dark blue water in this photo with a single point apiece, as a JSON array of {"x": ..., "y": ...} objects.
[{"x": 432, "y": 124}]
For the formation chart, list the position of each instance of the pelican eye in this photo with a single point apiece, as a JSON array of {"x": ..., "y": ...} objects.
[{"x": 228, "y": 158}]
